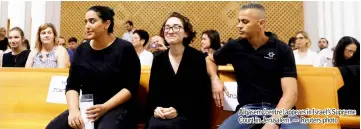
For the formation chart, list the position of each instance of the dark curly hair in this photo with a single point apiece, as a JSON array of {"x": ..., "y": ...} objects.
[
  {"x": 188, "y": 28},
  {"x": 338, "y": 55}
]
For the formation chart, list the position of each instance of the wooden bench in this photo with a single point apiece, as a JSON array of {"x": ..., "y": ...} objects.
[
  {"x": 23, "y": 95},
  {"x": 317, "y": 88}
]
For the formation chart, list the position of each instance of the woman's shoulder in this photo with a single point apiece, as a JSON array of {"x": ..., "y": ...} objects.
[{"x": 60, "y": 49}]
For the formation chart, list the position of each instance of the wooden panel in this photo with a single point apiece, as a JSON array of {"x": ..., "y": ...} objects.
[
  {"x": 283, "y": 18},
  {"x": 23, "y": 103}
]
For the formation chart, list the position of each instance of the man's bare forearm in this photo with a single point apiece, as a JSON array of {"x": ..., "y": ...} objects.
[{"x": 211, "y": 68}]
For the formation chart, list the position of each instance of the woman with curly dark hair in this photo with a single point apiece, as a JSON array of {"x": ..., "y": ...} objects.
[
  {"x": 347, "y": 52},
  {"x": 179, "y": 84}
]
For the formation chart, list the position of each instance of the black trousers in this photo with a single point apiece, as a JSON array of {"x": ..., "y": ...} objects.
[
  {"x": 117, "y": 118},
  {"x": 176, "y": 123}
]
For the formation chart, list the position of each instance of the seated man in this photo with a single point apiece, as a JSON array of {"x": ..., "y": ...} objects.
[
  {"x": 139, "y": 41},
  {"x": 265, "y": 72}
]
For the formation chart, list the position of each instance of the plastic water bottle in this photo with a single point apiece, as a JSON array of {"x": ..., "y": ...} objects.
[{"x": 86, "y": 101}]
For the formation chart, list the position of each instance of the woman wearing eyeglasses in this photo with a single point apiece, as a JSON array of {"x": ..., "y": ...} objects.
[
  {"x": 304, "y": 55},
  {"x": 347, "y": 52},
  {"x": 179, "y": 87}
]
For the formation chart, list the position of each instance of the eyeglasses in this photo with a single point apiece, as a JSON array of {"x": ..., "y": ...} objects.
[
  {"x": 175, "y": 28},
  {"x": 350, "y": 51},
  {"x": 300, "y": 38}
]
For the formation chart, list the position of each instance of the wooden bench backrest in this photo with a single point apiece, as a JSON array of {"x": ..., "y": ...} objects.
[
  {"x": 317, "y": 88},
  {"x": 23, "y": 94}
]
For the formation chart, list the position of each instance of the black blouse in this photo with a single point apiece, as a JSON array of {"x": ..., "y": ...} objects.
[
  {"x": 105, "y": 72},
  {"x": 19, "y": 60},
  {"x": 188, "y": 91}
]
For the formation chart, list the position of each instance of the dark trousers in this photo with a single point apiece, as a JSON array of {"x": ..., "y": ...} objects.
[
  {"x": 176, "y": 123},
  {"x": 117, "y": 118}
]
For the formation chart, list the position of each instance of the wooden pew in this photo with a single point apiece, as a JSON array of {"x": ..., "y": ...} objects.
[
  {"x": 23, "y": 94},
  {"x": 317, "y": 88},
  {"x": 23, "y": 106}
]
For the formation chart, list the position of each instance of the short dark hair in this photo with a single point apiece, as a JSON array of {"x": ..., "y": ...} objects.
[
  {"x": 324, "y": 39},
  {"x": 253, "y": 6},
  {"x": 72, "y": 39},
  {"x": 338, "y": 54},
  {"x": 291, "y": 40},
  {"x": 215, "y": 40},
  {"x": 187, "y": 26},
  {"x": 105, "y": 13},
  {"x": 26, "y": 42},
  {"x": 129, "y": 22},
  {"x": 143, "y": 35}
]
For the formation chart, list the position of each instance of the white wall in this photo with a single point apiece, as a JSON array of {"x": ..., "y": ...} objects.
[
  {"x": 53, "y": 13},
  {"x": 4, "y": 14},
  {"x": 16, "y": 14},
  {"x": 27, "y": 28},
  {"x": 332, "y": 20}
]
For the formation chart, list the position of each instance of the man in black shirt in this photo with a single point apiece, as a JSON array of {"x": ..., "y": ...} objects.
[{"x": 265, "y": 71}]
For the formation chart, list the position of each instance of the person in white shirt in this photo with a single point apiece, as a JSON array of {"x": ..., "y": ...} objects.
[
  {"x": 128, "y": 35},
  {"x": 304, "y": 55},
  {"x": 139, "y": 41},
  {"x": 324, "y": 58},
  {"x": 322, "y": 44}
]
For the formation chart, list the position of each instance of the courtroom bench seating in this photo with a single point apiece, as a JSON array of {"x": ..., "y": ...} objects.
[{"x": 23, "y": 105}]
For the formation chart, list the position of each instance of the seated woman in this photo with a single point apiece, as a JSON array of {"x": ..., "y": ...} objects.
[
  {"x": 139, "y": 41},
  {"x": 157, "y": 45},
  {"x": 106, "y": 67},
  {"x": 179, "y": 87},
  {"x": 304, "y": 55},
  {"x": 4, "y": 43},
  {"x": 347, "y": 52},
  {"x": 18, "y": 55},
  {"x": 47, "y": 54},
  {"x": 291, "y": 43},
  {"x": 210, "y": 42},
  {"x": 346, "y": 58}
]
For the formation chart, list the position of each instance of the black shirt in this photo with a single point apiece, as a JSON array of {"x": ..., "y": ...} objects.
[
  {"x": 4, "y": 44},
  {"x": 19, "y": 60},
  {"x": 188, "y": 91},
  {"x": 105, "y": 72},
  {"x": 258, "y": 72}
]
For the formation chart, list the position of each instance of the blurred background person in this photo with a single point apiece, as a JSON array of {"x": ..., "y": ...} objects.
[
  {"x": 62, "y": 42},
  {"x": 139, "y": 41},
  {"x": 304, "y": 55},
  {"x": 18, "y": 55},
  {"x": 129, "y": 29},
  {"x": 26, "y": 44},
  {"x": 292, "y": 43},
  {"x": 157, "y": 45},
  {"x": 210, "y": 42},
  {"x": 322, "y": 44},
  {"x": 47, "y": 54}
]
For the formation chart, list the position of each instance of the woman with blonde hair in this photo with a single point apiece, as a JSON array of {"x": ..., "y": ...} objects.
[
  {"x": 47, "y": 54},
  {"x": 304, "y": 55},
  {"x": 18, "y": 55}
]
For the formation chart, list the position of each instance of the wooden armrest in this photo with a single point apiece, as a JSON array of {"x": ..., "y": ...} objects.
[{"x": 350, "y": 121}]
